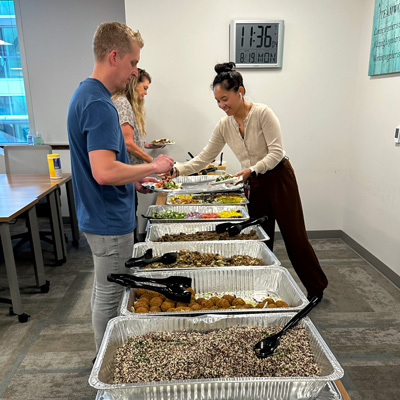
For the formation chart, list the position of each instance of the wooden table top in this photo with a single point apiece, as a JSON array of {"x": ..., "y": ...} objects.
[
  {"x": 13, "y": 186},
  {"x": 23, "y": 179},
  {"x": 11, "y": 209}
]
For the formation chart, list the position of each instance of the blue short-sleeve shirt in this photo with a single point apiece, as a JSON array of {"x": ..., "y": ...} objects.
[{"x": 93, "y": 125}]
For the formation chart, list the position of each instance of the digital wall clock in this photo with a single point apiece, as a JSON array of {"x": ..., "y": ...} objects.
[{"x": 256, "y": 43}]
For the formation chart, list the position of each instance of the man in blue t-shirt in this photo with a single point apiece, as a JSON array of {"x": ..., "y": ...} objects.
[{"x": 103, "y": 179}]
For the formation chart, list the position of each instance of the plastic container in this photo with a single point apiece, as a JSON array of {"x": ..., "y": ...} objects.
[
  {"x": 31, "y": 138},
  {"x": 54, "y": 166},
  {"x": 38, "y": 139}
]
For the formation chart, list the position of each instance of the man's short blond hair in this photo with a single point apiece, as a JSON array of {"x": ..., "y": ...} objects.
[{"x": 114, "y": 36}]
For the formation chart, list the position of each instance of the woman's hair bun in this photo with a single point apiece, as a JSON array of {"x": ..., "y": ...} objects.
[{"x": 224, "y": 67}]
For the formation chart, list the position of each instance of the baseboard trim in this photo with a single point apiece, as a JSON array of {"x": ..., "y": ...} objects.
[{"x": 370, "y": 258}]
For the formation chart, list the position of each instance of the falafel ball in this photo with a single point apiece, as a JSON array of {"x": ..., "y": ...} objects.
[
  {"x": 222, "y": 303},
  {"x": 140, "y": 303},
  {"x": 167, "y": 304},
  {"x": 156, "y": 301},
  {"x": 281, "y": 303},
  {"x": 214, "y": 299},
  {"x": 229, "y": 298},
  {"x": 142, "y": 310},
  {"x": 140, "y": 292},
  {"x": 238, "y": 302},
  {"x": 207, "y": 304},
  {"x": 180, "y": 304}
]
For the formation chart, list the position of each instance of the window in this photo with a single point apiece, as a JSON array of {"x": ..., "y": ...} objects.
[{"x": 14, "y": 123}]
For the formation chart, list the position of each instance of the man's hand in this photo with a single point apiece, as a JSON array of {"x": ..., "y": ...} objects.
[
  {"x": 142, "y": 189},
  {"x": 163, "y": 164}
]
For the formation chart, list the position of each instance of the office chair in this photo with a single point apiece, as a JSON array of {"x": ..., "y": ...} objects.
[{"x": 21, "y": 159}]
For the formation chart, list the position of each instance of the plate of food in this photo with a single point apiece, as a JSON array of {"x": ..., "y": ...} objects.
[
  {"x": 166, "y": 185},
  {"x": 163, "y": 141},
  {"x": 225, "y": 178}
]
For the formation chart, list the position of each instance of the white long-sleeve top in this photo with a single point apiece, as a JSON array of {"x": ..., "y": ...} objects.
[{"x": 260, "y": 148}]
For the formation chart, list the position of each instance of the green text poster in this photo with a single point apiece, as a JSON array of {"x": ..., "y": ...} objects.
[{"x": 385, "y": 44}]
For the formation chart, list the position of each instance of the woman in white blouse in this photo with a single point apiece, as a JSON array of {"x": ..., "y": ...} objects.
[{"x": 253, "y": 133}]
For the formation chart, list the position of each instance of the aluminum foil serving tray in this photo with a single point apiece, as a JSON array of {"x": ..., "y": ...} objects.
[
  {"x": 201, "y": 209},
  {"x": 200, "y": 183},
  {"x": 328, "y": 392},
  {"x": 247, "y": 283},
  {"x": 156, "y": 231},
  {"x": 278, "y": 388},
  {"x": 225, "y": 248}
]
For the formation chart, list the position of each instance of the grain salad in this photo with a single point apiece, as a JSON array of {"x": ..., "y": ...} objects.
[{"x": 218, "y": 353}]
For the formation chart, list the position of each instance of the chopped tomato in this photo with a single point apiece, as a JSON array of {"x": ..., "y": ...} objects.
[{"x": 210, "y": 216}]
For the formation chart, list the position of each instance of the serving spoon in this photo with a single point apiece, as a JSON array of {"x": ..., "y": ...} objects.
[{"x": 266, "y": 347}]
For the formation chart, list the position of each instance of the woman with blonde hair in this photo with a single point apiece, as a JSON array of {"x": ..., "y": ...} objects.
[{"x": 131, "y": 111}]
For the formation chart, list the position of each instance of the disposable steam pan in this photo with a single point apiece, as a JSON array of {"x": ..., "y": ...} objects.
[
  {"x": 156, "y": 231},
  {"x": 200, "y": 184},
  {"x": 225, "y": 248},
  {"x": 247, "y": 283},
  {"x": 201, "y": 209},
  {"x": 329, "y": 392},
  {"x": 278, "y": 388}
]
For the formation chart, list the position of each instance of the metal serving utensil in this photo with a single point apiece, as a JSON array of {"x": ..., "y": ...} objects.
[
  {"x": 266, "y": 347},
  {"x": 235, "y": 228},
  {"x": 167, "y": 258},
  {"x": 173, "y": 287}
]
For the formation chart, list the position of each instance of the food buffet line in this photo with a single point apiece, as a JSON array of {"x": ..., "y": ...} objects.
[{"x": 217, "y": 291}]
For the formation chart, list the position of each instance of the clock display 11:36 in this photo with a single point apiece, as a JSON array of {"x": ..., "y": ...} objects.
[{"x": 261, "y": 36}]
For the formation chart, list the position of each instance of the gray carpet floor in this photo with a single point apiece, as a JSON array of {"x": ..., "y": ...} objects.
[{"x": 50, "y": 356}]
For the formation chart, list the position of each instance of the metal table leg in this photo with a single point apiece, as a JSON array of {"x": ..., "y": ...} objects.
[
  {"x": 37, "y": 251},
  {"x": 57, "y": 228},
  {"x": 11, "y": 271}
]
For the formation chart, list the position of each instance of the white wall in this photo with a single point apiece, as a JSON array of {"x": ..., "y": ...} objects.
[
  {"x": 313, "y": 94},
  {"x": 57, "y": 38},
  {"x": 372, "y": 214}
]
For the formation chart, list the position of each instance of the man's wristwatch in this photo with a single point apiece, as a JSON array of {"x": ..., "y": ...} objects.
[{"x": 253, "y": 173}]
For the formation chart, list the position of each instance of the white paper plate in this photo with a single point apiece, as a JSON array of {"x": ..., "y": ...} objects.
[
  {"x": 154, "y": 189},
  {"x": 230, "y": 180}
]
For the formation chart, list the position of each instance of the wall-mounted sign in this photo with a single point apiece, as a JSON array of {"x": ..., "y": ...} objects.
[
  {"x": 385, "y": 44},
  {"x": 256, "y": 43}
]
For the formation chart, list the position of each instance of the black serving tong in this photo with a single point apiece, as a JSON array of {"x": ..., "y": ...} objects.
[
  {"x": 266, "y": 347},
  {"x": 167, "y": 258},
  {"x": 220, "y": 162},
  {"x": 173, "y": 287},
  {"x": 234, "y": 229}
]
